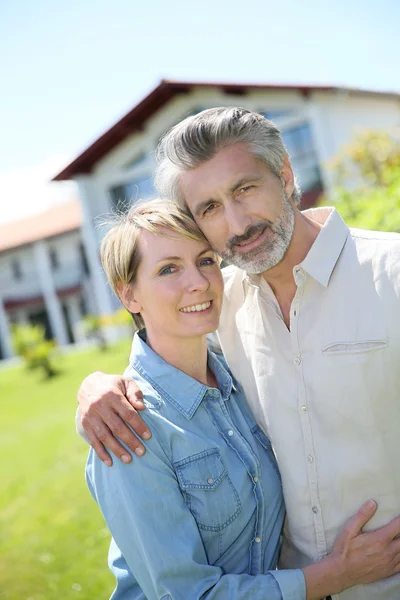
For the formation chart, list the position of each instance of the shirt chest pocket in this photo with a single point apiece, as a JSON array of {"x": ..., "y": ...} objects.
[
  {"x": 359, "y": 349},
  {"x": 208, "y": 489}
]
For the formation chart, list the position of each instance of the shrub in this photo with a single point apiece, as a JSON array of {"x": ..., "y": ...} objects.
[{"x": 30, "y": 343}]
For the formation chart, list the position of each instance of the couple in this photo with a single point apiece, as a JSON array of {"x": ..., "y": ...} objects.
[{"x": 309, "y": 329}]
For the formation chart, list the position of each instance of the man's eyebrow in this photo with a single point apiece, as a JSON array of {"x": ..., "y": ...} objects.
[
  {"x": 243, "y": 180},
  {"x": 246, "y": 179},
  {"x": 202, "y": 206},
  {"x": 180, "y": 257}
]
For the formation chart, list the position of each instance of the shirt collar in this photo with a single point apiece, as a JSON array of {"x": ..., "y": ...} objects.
[
  {"x": 184, "y": 392},
  {"x": 325, "y": 251}
]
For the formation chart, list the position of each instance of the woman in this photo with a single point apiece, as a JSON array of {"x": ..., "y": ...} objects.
[{"x": 201, "y": 515}]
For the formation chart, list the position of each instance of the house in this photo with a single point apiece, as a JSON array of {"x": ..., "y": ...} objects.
[
  {"x": 315, "y": 122},
  {"x": 50, "y": 269},
  {"x": 44, "y": 275}
]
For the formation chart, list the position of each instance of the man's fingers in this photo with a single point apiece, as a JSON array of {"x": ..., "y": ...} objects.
[
  {"x": 133, "y": 393},
  {"x": 392, "y": 529},
  {"x": 354, "y": 526},
  {"x": 97, "y": 445},
  {"x": 120, "y": 430},
  {"x": 106, "y": 437},
  {"x": 128, "y": 412},
  {"x": 131, "y": 416}
]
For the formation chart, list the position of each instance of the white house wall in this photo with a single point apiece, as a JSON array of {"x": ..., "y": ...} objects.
[{"x": 345, "y": 114}]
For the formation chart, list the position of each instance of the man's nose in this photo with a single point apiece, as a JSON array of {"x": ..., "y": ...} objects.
[{"x": 237, "y": 219}]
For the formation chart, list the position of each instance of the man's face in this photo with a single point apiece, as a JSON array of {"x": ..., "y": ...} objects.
[{"x": 242, "y": 208}]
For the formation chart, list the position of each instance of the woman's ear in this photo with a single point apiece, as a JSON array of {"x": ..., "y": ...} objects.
[{"x": 127, "y": 295}]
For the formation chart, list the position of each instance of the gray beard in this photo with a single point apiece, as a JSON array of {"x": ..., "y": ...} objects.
[{"x": 271, "y": 251}]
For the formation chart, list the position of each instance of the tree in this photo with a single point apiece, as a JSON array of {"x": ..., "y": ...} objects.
[
  {"x": 30, "y": 343},
  {"x": 367, "y": 181}
]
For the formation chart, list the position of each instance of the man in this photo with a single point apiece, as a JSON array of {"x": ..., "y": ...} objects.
[{"x": 310, "y": 327}]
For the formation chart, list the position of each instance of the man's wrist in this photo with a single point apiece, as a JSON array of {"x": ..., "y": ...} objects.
[{"x": 326, "y": 577}]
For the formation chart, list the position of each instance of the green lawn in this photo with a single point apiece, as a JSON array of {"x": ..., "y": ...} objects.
[{"x": 53, "y": 540}]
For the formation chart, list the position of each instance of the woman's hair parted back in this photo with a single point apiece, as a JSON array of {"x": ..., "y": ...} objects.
[
  {"x": 120, "y": 253},
  {"x": 198, "y": 138}
]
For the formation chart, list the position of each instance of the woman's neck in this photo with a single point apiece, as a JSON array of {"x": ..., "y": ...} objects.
[{"x": 186, "y": 354}]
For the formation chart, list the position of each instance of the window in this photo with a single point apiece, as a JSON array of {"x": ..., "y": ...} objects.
[
  {"x": 138, "y": 160},
  {"x": 123, "y": 196},
  {"x": 275, "y": 115},
  {"x": 299, "y": 143},
  {"x": 84, "y": 260},
  {"x": 54, "y": 261},
  {"x": 16, "y": 269}
]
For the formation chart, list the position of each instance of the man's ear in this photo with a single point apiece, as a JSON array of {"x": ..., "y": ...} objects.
[
  {"x": 287, "y": 177},
  {"x": 128, "y": 298}
]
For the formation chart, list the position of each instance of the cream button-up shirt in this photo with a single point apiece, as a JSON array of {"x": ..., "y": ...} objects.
[{"x": 327, "y": 391}]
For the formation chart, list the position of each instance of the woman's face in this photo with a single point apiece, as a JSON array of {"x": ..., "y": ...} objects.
[{"x": 179, "y": 286}]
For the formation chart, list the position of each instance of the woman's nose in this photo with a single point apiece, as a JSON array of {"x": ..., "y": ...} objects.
[{"x": 197, "y": 281}]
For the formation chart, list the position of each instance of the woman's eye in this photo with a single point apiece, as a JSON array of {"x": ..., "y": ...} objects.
[{"x": 167, "y": 271}]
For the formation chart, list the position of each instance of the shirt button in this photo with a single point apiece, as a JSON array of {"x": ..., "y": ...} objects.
[
  {"x": 230, "y": 433},
  {"x": 303, "y": 409},
  {"x": 310, "y": 458},
  {"x": 315, "y": 510},
  {"x": 257, "y": 540},
  {"x": 255, "y": 478},
  {"x": 297, "y": 360},
  {"x": 210, "y": 480}
]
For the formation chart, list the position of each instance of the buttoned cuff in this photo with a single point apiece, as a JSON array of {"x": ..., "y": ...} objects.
[{"x": 291, "y": 583}]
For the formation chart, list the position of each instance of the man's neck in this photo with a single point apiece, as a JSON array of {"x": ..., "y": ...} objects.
[{"x": 280, "y": 278}]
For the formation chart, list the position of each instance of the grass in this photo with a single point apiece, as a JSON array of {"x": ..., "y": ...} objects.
[{"x": 53, "y": 539}]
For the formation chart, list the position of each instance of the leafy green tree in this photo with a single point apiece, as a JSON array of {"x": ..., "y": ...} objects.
[
  {"x": 367, "y": 181},
  {"x": 30, "y": 343}
]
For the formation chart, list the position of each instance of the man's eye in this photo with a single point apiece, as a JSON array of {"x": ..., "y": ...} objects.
[
  {"x": 246, "y": 188},
  {"x": 207, "y": 261},
  {"x": 209, "y": 208}
]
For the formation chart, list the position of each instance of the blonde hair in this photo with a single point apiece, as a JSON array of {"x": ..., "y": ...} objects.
[{"x": 120, "y": 253}]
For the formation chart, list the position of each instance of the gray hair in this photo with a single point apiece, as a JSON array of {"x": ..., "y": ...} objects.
[{"x": 198, "y": 138}]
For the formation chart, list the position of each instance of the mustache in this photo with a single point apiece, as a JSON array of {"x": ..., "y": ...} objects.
[{"x": 252, "y": 231}]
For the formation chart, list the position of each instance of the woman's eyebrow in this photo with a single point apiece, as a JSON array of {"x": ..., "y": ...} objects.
[{"x": 180, "y": 257}]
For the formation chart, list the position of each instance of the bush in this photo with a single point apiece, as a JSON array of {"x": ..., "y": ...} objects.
[
  {"x": 30, "y": 343},
  {"x": 367, "y": 181}
]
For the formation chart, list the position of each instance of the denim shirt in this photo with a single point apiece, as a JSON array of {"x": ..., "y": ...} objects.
[{"x": 200, "y": 515}]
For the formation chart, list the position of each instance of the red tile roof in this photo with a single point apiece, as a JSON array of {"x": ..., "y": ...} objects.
[
  {"x": 54, "y": 221},
  {"x": 135, "y": 119}
]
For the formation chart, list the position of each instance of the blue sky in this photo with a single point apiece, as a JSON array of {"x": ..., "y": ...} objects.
[{"x": 71, "y": 69}]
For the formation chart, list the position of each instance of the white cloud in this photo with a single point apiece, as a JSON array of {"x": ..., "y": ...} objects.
[{"x": 27, "y": 190}]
